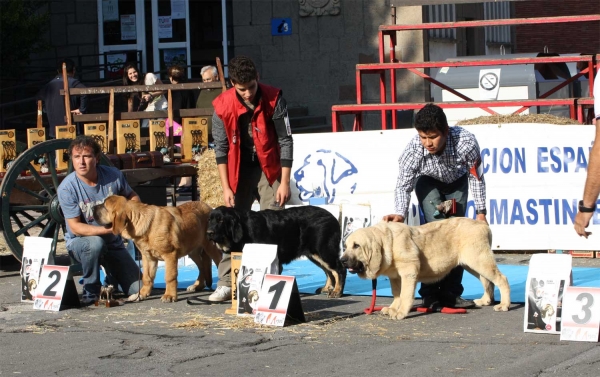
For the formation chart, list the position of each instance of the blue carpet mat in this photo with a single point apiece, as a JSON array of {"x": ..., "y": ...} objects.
[{"x": 309, "y": 278}]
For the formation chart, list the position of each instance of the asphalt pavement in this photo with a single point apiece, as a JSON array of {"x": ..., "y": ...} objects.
[{"x": 152, "y": 338}]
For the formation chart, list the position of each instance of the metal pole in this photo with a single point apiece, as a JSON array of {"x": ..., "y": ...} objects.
[{"x": 225, "y": 41}]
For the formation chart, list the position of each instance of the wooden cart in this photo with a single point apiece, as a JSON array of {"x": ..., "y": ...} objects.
[{"x": 29, "y": 202}]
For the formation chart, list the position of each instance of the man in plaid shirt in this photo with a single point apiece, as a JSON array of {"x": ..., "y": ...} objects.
[{"x": 440, "y": 163}]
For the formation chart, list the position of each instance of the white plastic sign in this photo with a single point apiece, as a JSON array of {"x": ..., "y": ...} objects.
[
  {"x": 581, "y": 314},
  {"x": 257, "y": 261},
  {"x": 274, "y": 300},
  {"x": 51, "y": 288},
  {"x": 548, "y": 276},
  {"x": 36, "y": 253}
]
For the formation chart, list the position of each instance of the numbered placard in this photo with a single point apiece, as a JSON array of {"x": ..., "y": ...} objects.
[
  {"x": 581, "y": 314},
  {"x": 278, "y": 299},
  {"x": 36, "y": 253},
  {"x": 257, "y": 260},
  {"x": 54, "y": 290}
]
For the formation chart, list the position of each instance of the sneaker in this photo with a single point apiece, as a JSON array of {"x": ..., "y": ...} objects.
[
  {"x": 222, "y": 293},
  {"x": 88, "y": 298}
]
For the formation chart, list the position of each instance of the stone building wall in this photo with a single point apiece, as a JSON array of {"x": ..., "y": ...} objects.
[
  {"x": 315, "y": 66},
  {"x": 73, "y": 33}
]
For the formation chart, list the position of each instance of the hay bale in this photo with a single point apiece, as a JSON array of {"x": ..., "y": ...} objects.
[
  {"x": 518, "y": 118},
  {"x": 209, "y": 182}
]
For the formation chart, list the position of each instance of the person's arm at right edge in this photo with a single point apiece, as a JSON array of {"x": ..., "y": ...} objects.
[
  {"x": 221, "y": 151},
  {"x": 592, "y": 183},
  {"x": 592, "y": 187}
]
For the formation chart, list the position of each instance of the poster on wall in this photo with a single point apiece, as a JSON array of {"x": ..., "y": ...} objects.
[
  {"x": 549, "y": 173},
  {"x": 177, "y": 9},
  {"x": 114, "y": 64},
  {"x": 128, "y": 27},
  {"x": 110, "y": 10},
  {"x": 165, "y": 27},
  {"x": 489, "y": 84},
  {"x": 175, "y": 56}
]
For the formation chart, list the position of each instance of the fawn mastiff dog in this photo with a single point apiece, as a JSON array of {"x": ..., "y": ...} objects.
[
  {"x": 163, "y": 233},
  {"x": 426, "y": 253}
]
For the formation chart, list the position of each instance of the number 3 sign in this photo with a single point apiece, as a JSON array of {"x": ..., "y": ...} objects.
[
  {"x": 581, "y": 314},
  {"x": 279, "y": 298},
  {"x": 56, "y": 289}
]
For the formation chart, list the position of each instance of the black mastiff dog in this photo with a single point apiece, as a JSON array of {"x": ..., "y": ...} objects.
[{"x": 297, "y": 231}]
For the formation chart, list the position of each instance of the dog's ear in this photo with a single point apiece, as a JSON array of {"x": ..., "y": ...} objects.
[
  {"x": 237, "y": 233},
  {"x": 374, "y": 248},
  {"x": 119, "y": 221}
]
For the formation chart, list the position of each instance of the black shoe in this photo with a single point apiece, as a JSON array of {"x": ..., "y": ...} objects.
[
  {"x": 458, "y": 303},
  {"x": 430, "y": 302},
  {"x": 181, "y": 189}
]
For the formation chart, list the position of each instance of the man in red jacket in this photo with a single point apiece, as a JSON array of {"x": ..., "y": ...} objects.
[{"x": 253, "y": 147}]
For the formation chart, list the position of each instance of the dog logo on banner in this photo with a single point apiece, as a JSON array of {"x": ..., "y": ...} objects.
[{"x": 325, "y": 173}]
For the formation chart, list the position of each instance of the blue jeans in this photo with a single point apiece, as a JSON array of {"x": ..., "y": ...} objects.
[
  {"x": 429, "y": 190},
  {"x": 92, "y": 252}
]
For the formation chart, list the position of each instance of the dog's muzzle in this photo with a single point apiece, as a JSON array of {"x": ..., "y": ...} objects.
[{"x": 353, "y": 265}]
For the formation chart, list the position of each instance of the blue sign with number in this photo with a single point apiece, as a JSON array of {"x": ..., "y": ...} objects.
[{"x": 281, "y": 26}]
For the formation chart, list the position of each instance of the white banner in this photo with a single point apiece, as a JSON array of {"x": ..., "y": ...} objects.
[{"x": 534, "y": 175}]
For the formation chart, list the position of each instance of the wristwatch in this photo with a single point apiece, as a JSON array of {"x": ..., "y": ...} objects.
[
  {"x": 583, "y": 208},
  {"x": 481, "y": 212}
]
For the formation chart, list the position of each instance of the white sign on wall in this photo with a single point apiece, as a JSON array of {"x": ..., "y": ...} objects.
[
  {"x": 489, "y": 84},
  {"x": 534, "y": 175}
]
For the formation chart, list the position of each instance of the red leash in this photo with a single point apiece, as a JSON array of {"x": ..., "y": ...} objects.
[
  {"x": 373, "y": 308},
  {"x": 443, "y": 310}
]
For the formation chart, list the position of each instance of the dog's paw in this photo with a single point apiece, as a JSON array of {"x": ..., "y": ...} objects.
[
  {"x": 501, "y": 308},
  {"x": 334, "y": 294},
  {"x": 168, "y": 298},
  {"x": 482, "y": 302},
  {"x": 196, "y": 287},
  {"x": 136, "y": 297},
  {"x": 324, "y": 290},
  {"x": 393, "y": 313}
]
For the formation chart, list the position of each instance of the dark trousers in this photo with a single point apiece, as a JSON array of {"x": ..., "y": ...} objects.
[
  {"x": 252, "y": 184},
  {"x": 430, "y": 193}
]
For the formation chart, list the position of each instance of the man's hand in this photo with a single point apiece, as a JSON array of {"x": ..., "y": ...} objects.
[
  {"x": 76, "y": 112},
  {"x": 481, "y": 217},
  {"x": 582, "y": 220},
  {"x": 229, "y": 198},
  {"x": 393, "y": 218},
  {"x": 283, "y": 194}
]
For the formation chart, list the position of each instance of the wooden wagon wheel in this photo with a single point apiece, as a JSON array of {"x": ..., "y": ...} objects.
[{"x": 31, "y": 201}]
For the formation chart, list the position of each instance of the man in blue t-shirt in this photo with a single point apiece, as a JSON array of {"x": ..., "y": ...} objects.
[{"x": 87, "y": 242}]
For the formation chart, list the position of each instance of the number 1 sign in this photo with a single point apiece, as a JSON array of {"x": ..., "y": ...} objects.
[
  {"x": 279, "y": 298},
  {"x": 581, "y": 314}
]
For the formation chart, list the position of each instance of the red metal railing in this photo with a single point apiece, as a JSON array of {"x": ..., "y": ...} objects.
[
  {"x": 358, "y": 109},
  {"x": 382, "y": 67}
]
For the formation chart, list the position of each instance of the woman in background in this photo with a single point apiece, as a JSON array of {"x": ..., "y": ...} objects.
[{"x": 155, "y": 100}]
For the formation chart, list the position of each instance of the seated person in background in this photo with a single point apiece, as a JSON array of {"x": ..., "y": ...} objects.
[
  {"x": 54, "y": 102},
  {"x": 87, "y": 242},
  {"x": 209, "y": 74},
  {"x": 155, "y": 100}
]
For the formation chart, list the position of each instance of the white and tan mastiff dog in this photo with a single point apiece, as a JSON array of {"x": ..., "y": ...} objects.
[{"x": 426, "y": 253}]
